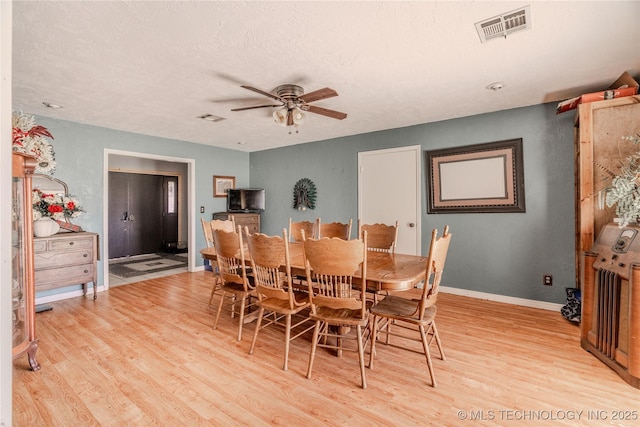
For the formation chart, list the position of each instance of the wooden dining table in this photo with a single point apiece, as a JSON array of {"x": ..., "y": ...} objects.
[{"x": 390, "y": 272}]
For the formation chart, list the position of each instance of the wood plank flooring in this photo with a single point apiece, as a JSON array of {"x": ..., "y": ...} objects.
[{"x": 144, "y": 354}]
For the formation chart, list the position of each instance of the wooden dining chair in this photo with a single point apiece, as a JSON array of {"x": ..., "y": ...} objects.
[
  {"x": 279, "y": 303},
  {"x": 207, "y": 228},
  {"x": 334, "y": 229},
  {"x": 296, "y": 232},
  {"x": 417, "y": 315},
  {"x": 380, "y": 237},
  {"x": 296, "y": 227},
  {"x": 233, "y": 274},
  {"x": 336, "y": 307}
]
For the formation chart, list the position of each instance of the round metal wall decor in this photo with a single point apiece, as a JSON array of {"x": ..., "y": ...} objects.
[{"x": 304, "y": 195}]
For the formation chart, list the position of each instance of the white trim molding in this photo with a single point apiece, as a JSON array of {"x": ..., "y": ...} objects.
[{"x": 502, "y": 298}]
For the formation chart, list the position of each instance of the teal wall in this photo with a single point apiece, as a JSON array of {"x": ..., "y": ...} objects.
[
  {"x": 503, "y": 253},
  {"x": 80, "y": 155}
]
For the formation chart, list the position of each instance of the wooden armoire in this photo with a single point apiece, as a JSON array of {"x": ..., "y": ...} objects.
[
  {"x": 22, "y": 265},
  {"x": 599, "y": 145}
]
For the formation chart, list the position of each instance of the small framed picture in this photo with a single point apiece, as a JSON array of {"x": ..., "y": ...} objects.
[{"x": 222, "y": 184}]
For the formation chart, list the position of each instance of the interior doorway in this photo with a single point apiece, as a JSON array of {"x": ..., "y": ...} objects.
[
  {"x": 143, "y": 217},
  {"x": 389, "y": 190},
  {"x": 178, "y": 176}
]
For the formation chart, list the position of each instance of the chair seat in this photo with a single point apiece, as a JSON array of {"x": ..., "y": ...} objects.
[
  {"x": 340, "y": 316},
  {"x": 399, "y": 308},
  {"x": 282, "y": 305},
  {"x": 236, "y": 288}
]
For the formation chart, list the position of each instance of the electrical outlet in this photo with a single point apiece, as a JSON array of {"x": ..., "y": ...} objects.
[
  {"x": 547, "y": 280},
  {"x": 201, "y": 209}
]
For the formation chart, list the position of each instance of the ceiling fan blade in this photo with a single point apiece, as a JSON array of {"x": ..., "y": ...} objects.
[
  {"x": 261, "y": 92},
  {"x": 255, "y": 106},
  {"x": 319, "y": 94},
  {"x": 325, "y": 112}
]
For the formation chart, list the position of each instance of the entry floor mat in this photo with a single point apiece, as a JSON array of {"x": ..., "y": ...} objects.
[{"x": 146, "y": 264}]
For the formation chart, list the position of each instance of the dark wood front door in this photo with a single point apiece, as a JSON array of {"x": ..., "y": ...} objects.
[{"x": 136, "y": 207}]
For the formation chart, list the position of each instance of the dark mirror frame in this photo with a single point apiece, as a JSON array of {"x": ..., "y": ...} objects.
[{"x": 499, "y": 163}]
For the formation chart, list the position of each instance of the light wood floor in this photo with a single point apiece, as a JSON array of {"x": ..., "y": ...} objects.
[{"x": 144, "y": 354}]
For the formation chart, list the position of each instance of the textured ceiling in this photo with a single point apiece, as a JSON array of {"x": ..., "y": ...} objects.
[{"x": 153, "y": 67}]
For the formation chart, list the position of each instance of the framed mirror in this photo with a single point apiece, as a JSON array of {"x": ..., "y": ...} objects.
[{"x": 48, "y": 184}]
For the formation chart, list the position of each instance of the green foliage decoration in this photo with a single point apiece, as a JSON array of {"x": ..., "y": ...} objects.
[{"x": 624, "y": 190}]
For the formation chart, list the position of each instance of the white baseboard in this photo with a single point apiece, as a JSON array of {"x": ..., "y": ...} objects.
[
  {"x": 502, "y": 298},
  {"x": 70, "y": 294},
  {"x": 444, "y": 289}
]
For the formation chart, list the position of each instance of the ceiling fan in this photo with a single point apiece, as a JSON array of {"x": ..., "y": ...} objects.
[{"x": 294, "y": 102}]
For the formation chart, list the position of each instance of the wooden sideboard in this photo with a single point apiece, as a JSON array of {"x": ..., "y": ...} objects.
[
  {"x": 250, "y": 220},
  {"x": 66, "y": 259}
]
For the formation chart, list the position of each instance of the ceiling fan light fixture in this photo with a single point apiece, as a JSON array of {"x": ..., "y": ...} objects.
[
  {"x": 294, "y": 104},
  {"x": 280, "y": 116},
  {"x": 298, "y": 116}
]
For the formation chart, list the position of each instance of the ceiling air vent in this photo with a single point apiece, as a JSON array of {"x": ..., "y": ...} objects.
[
  {"x": 505, "y": 24},
  {"x": 211, "y": 118}
]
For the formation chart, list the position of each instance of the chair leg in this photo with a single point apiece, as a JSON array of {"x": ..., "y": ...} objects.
[
  {"x": 388, "y": 327},
  {"x": 438, "y": 342},
  {"x": 233, "y": 306},
  {"x": 374, "y": 332},
  {"x": 287, "y": 338},
  {"x": 216, "y": 282},
  {"x": 255, "y": 333},
  {"x": 325, "y": 333},
  {"x": 361, "y": 355},
  {"x": 215, "y": 323},
  {"x": 243, "y": 300},
  {"x": 425, "y": 346},
  {"x": 314, "y": 343}
]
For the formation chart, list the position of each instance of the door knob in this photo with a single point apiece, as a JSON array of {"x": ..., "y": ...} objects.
[
  {"x": 411, "y": 224},
  {"x": 132, "y": 218},
  {"x": 125, "y": 216}
]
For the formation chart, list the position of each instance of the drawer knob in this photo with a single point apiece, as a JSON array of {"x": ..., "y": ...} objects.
[
  {"x": 85, "y": 255},
  {"x": 71, "y": 243},
  {"x": 86, "y": 271}
]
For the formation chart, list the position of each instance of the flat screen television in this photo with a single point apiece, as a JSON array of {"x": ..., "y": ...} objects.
[{"x": 245, "y": 200}]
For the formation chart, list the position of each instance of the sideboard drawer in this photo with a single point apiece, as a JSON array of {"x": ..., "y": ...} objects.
[
  {"x": 61, "y": 259},
  {"x": 64, "y": 276},
  {"x": 249, "y": 220},
  {"x": 252, "y": 227},
  {"x": 71, "y": 243}
]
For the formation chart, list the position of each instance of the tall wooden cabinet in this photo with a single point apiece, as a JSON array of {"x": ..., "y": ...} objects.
[
  {"x": 22, "y": 265},
  {"x": 599, "y": 129}
]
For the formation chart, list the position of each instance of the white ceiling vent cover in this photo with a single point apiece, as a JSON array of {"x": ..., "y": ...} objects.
[{"x": 505, "y": 24}]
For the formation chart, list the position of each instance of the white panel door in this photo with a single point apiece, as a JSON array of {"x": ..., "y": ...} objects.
[{"x": 389, "y": 190}]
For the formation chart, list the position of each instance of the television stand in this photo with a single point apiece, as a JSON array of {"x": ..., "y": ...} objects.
[{"x": 251, "y": 220}]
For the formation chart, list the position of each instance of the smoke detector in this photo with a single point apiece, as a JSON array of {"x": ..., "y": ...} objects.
[
  {"x": 504, "y": 24},
  {"x": 496, "y": 86}
]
